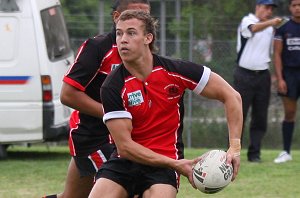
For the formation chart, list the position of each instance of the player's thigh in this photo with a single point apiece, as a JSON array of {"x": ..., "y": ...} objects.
[
  {"x": 76, "y": 186},
  {"x": 160, "y": 191},
  {"x": 107, "y": 189}
]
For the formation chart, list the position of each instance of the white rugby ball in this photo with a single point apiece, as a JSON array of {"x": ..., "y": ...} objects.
[{"x": 211, "y": 174}]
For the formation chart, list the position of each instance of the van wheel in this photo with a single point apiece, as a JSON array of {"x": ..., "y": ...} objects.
[{"x": 3, "y": 151}]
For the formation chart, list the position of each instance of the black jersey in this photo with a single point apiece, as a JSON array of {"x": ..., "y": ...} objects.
[
  {"x": 154, "y": 104},
  {"x": 289, "y": 34},
  {"x": 96, "y": 58}
]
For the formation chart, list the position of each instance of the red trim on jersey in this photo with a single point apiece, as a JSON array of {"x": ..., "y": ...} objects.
[
  {"x": 72, "y": 82},
  {"x": 74, "y": 121},
  {"x": 110, "y": 61},
  {"x": 78, "y": 54}
]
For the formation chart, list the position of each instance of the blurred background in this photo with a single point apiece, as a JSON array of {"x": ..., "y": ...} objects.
[{"x": 202, "y": 31}]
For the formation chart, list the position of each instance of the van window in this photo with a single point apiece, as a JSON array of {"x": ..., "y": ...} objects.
[
  {"x": 57, "y": 39},
  {"x": 8, "y": 6}
]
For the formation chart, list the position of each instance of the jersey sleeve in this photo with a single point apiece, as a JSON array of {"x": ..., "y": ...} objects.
[
  {"x": 279, "y": 33},
  {"x": 244, "y": 27},
  {"x": 86, "y": 65},
  {"x": 111, "y": 96}
]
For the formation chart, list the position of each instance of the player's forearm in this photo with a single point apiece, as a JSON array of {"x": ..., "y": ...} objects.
[
  {"x": 263, "y": 25},
  {"x": 140, "y": 154},
  {"x": 83, "y": 103},
  {"x": 278, "y": 66},
  {"x": 234, "y": 115}
]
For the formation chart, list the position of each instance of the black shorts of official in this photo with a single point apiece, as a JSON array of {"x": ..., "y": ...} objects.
[
  {"x": 135, "y": 177},
  {"x": 292, "y": 79},
  {"x": 89, "y": 165}
]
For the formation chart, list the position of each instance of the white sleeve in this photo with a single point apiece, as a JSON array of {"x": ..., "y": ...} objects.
[{"x": 245, "y": 31}]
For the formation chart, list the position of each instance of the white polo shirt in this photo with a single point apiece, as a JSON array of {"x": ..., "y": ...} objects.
[{"x": 256, "y": 51}]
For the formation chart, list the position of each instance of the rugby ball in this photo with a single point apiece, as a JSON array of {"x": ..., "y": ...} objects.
[{"x": 211, "y": 174}]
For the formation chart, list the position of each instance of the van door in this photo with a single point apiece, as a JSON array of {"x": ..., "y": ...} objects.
[
  {"x": 20, "y": 82},
  {"x": 59, "y": 57},
  {"x": 34, "y": 55}
]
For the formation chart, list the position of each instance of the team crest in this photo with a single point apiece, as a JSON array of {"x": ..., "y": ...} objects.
[
  {"x": 135, "y": 98},
  {"x": 172, "y": 91}
]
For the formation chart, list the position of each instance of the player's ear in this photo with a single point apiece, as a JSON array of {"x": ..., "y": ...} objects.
[
  {"x": 148, "y": 39},
  {"x": 115, "y": 16}
]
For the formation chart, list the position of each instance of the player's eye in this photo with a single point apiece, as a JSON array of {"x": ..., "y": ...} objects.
[
  {"x": 118, "y": 33},
  {"x": 131, "y": 33}
]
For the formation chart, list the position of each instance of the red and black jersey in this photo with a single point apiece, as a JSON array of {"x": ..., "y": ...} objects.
[
  {"x": 154, "y": 104},
  {"x": 96, "y": 58}
]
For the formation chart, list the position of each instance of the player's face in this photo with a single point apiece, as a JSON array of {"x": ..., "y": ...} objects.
[
  {"x": 295, "y": 8},
  {"x": 264, "y": 12},
  {"x": 131, "y": 39}
]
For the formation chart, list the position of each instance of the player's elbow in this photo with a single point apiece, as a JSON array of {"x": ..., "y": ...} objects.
[
  {"x": 124, "y": 151},
  {"x": 237, "y": 97}
]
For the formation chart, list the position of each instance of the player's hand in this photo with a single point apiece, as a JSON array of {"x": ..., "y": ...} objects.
[
  {"x": 185, "y": 167},
  {"x": 233, "y": 155},
  {"x": 281, "y": 87},
  {"x": 235, "y": 160},
  {"x": 277, "y": 21}
]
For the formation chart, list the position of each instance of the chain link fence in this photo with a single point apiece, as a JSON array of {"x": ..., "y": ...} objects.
[{"x": 205, "y": 123}]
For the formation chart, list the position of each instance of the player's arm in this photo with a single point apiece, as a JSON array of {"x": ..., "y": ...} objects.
[
  {"x": 263, "y": 25},
  {"x": 120, "y": 129},
  {"x": 79, "y": 100},
  {"x": 281, "y": 85},
  {"x": 217, "y": 88}
]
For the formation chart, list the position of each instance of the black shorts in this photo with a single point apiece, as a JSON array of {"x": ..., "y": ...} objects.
[
  {"x": 292, "y": 79},
  {"x": 135, "y": 177},
  {"x": 89, "y": 165}
]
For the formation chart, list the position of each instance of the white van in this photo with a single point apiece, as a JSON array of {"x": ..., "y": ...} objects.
[{"x": 34, "y": 55}]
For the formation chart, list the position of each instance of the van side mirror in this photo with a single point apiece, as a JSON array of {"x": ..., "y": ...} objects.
[{"x": 8, "y": 6}]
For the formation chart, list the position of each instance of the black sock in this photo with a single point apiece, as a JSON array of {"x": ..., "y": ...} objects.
[
  {"x": 50, "y": 196},
  {"x": 287, "y": 134}
]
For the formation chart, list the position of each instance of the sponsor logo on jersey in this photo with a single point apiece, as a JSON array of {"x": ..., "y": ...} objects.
[
  {"x": 172, "y": 91},
  {"x": 293, "y": 41},
  {"x": 114, "y": 66},
  {"x": 135, "y": 98}
]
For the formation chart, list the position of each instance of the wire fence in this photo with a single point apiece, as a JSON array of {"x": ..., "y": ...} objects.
[{"x": 205, "y": 123}]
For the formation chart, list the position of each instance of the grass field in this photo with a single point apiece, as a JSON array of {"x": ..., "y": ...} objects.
[{"x": 38, "y": 170}]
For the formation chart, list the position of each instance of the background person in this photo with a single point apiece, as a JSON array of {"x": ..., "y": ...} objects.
[
  {"x": 287, "y": 67},
  {"x": 251, "y": 76},
  {"x": 141, "y": 99},
  {"x": 89, "y": 141}
]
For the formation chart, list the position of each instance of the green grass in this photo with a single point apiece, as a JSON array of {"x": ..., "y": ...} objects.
[{"x": 38, "y": 170}]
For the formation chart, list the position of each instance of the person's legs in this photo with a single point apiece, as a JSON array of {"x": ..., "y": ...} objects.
[
  {"x": 107, "y": 189},
  {"x": 259, "y": 115},
  {"x": 290, "y": 108},
  {"x": 76, "y": 186},
  {"x": 160, "y": 191},
  {"x": 242, "y": 82}
]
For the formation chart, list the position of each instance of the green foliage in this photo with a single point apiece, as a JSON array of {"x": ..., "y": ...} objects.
[
  {"x": 83, "y": 17},
  {"x": 215, "y": 18}
]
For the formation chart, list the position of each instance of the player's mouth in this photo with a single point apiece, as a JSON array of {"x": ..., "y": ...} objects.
[{"x": 124, "y": 49}]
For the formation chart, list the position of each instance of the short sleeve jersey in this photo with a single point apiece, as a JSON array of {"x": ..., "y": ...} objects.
[
  {"x": 253, "y": 48},
  {"x": 96, "y": 58},
  {"x": 153, "y": 104},
  {"x": 289, "y": 34}
]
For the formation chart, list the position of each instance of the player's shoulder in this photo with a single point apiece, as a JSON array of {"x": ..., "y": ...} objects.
[
  {"x": 171, "y": 63},
  {"x": 116, "y": 77},
  {"x": 102, "y": 40}
]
